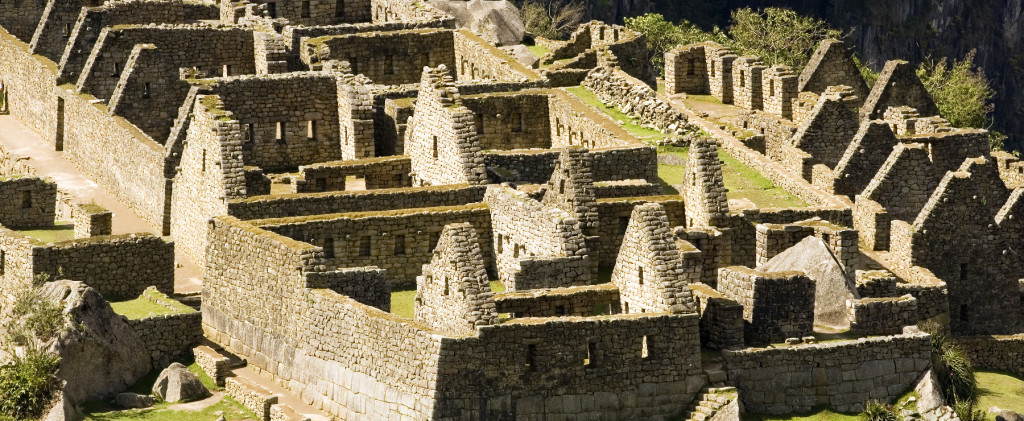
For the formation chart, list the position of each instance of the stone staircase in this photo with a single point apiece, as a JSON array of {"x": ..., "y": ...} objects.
[{"x": 712, "y": 399}]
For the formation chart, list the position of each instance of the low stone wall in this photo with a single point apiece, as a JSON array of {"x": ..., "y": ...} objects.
[
  {"x": 91, "y": 220},
  {"x": 1000, "y": 352},
  {"x": 626, "y": 188},
  {"x": 27, "y": 202},
  {"x": 881, "y": 316},
  {"x": 290, "y": 205},
  {"x": 215, "y": 365},
  {"x": 378, "y": 173},
  {"x": 776, "y": 305},
  {"x": 252, "y": 396},
  {"x": 367, "y": 285},
  {"x": 535, "y": 166},
  {"x": 168, "y": 336},
  {"x": 613, "y": 216},
  {"x": 721, "y": 319},
  {"x": 932, "y": 298},
  {"x": 118, "y": 266},
  {"x": 571, "y": 301},
  {"x": 637, "y": 99},
  {"x": 842, "y": 375}
]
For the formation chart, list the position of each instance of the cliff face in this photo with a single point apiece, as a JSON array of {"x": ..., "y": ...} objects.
[{"x": 896, "y": 29}]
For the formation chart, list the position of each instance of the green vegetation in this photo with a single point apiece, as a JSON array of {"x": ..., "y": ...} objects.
[
  {"x": 818, "y": 414},
  {"x": 150, "y": 303},
  {"x": 28, "y": 382},
  {"x": 879, "y": 411},
  {"x": 554, "y": 19},
  {"x": 537, "y": 50},
  {"x": 630, "y": 124},
  {"x": 963, "y": 94},
  {"x": 1000, "y": 390},
  {"x": 742, "y": 181},
  {"x": 777, "y": 35},
  {"x": 56, "y": 233},
  {"x": 161, "y": 411}
]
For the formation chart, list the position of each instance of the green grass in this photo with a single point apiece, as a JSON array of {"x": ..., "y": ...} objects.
[
  {"x": 704, "y": 98},
  {"x": 537, "y": 50},
  {"x": 628, "y": 123},
  {"x": 104, "y": 411},
  {"x": 742, "y": 181},
  {"x": 999, "y": 389},
  {"x": 818, "y": 414},
  {"x": 150, "y": 303},
  {"x": 59, "y": 232},
  {"x": 403, "y": 301}
]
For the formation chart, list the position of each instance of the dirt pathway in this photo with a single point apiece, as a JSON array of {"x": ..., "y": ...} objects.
[{"x": 18, "y": 139}]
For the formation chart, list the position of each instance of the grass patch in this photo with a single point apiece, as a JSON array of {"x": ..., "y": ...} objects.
[
  {"x": 627, "y": 122},
  {"x": 742, "y": 181},
  {"x": 704, "y": 98},
  {"x": 537, "y": 50},
  {"x": 150, "y": 303},
  {"x": 403, "y": 301},
  {"x": 996, "y": 388},
  {"x": 59, "y": 232},
  {"x": 100, "y": 410}
]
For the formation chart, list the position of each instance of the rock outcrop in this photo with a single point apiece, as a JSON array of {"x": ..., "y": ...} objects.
[
  {"x": 177, "y": 384},
  {"x": 498, "y": 22}
]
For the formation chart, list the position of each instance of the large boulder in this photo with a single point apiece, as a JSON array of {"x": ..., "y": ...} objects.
[
  {"x": 496, "y": 21},
  {"x": 522, "y": 54},
  {"x": 177, "y": 384},
  {"x": 100, "y": 354}
]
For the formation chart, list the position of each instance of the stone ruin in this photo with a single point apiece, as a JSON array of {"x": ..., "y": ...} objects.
[{"x": 313, "y": 158}]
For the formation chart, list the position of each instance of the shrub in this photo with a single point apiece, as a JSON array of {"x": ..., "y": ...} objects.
[
  {"x": 555, "y": 20},
  {"x": 962, "y": 92},
  {"x": 957, "y": 375},
  {"x": 27, "y": 385},
  {"x": 878, "y": 411},
  {"x": 966, "y": 412}
]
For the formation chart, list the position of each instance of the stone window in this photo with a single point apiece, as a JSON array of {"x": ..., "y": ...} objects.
[
  {"x": 692, "y": 68},
  {"x": 305, "y": 9},
  {"x": 640, "y": 275},
  {"x": 204, "y": 160},
  {"x": 623, "y": 224},
  {"x": 600, "y": 33},
  {"x": 67, "y": 30},
  {"x": 517, "y": 122},
  {"x": 561, "y": 186},
  {"x": 329, "y": 248},
  {"x": 515, "y": 251},
  {"x": 558, "y": 127},
  {"x": 425, "y": 59},
  {"x": 560, "y": 310},
  {"x": 226, "y": 71},
  {"x": 964, "y": 317},
  {"x": 591, "y": 360},
  {"x": 625, "y": 308},
  {"x": 389, "y": 64},
  {"x": 272, "y": 10},
  {"x": 145, "y": 91},
  {"x": 711, "y": 71},
  {"x": 743, "y": 76},
  {"x": 311, "y": 130},
  {"x": 116, "y": 71},
  {"x": 3, "y": 261},
  {"x": 353, "y": 63},
  {"x": 321, "y": 184},
  {"x": 26, "y": 199},
  {"x": 615, "y": 35},
  {"x": 445, "y": 280},
  {"x": 339, "y": 8},
  {"x": 433, "y": 148},
  {"x": 963, "y": 272},
  {"x": 249, "y": 133},
  {"x": 364, "y": 246},
  {"x": 771, "y": 87},
  {"x": 826, "y": 238},
  {"x": 479, "y": 123},
  {"x": 499, "y": 241},
  {"x": 531, "y": 358},
  {"x": 399, "y": 180},
  {"x": 399, "y": 245},
  {"x": 645, "y": 351},
  {"x": 279, "y": 134}
]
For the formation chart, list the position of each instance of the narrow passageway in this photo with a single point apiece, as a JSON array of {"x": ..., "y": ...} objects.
[{"x": 19, "y": 139}]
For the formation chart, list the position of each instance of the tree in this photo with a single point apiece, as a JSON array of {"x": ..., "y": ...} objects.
[
  {"x": 963, "y": 94},
  {"x": 663, "y": 35},
  {"x": 778, "y": 36},
  {"x": 555, "y": 20}
]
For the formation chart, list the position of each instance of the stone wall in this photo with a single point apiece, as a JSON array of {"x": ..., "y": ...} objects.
[
  {"x": 475, "y": 59},
  {"x": 897, "y": 192},
  {"x": 288, "y": 205},
  {"x": 385, "y": 172},
  {"x": 779, "y": 90},
  {"x": 773, "y": 239},
  {"x": 314, "y": 339},
  {"x": 1000, "y": 352},
  {"x": 453, "y": 294},
  {"x": 119, "y": 266},
  {"x": 398, "y": 241},
  {"x": 168, "y": 336},
  {"x": 746, "y": 82},
  {"x": 527, "y": 231},
  {"x": 574, "y": 123},
  {"x": 441, "y": 138},
  {"x": 685, "y": 70},
  {"x": 322, "y": 12},
  {"x": 387, "y": 58},
  {"x": 832, "y": 65},
  {"x": 367, "y": 285},
  {"x": 776, "y": 306},
  {"x": 881, "y": 316},
  {"x": 27, "y": 202},
  {"x": 897, "y": 86},
  {"x": 286, "y": 120},
  {"x": 844, "y": 374},
  {"x": 507, "y": 121},
  {"x": 582, "y": 301},
  {"x": 633, "y": 97},
  {"x": 650, "y": 272},
  {"x": 715, "y": 246},
  {"x": 721, "y": 319},
  {"x": 614, "y": 215},
  {"x": 863, "y": 158}
]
